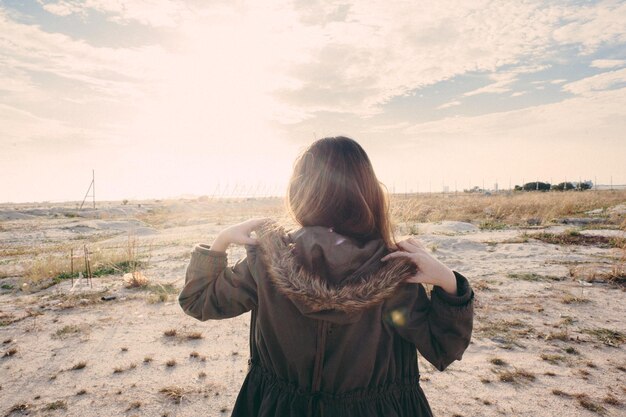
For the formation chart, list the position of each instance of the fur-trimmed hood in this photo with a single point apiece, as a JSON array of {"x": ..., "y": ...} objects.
[{"x": 328, "y": 275}]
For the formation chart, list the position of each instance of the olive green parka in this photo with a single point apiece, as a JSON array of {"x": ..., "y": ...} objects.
[{"x": 334, "y": 331}]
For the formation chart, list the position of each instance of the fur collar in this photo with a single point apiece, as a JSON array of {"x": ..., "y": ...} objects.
[{"x": 353, "y": 294}]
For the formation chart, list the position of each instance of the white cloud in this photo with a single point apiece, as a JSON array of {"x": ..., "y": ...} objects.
[
  {"x": 410, "y": 46},
  {"x": 581, "y": 119},
  {"x": 608, "y": 63},
  {"x": 62, "y": 7},
  {"x": 449, "y": 104},
  {"x": 596, "y": 82},
  {"x": 159, "y": 13},
  {"x": 518, "y": 93},
  {"x": 593, "y": 25}
]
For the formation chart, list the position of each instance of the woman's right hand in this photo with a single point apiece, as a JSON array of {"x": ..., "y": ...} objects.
[
  {"x": 238, "y": 234},
  {"x": 429, "y": 270}
]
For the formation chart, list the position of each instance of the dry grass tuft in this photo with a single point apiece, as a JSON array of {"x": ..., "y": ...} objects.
[
  {"x": 11, "y": 352},
  {"x": 134, "y": 406},
  {"x": 572, "y": 299},
  {"x": 611, "y": 400},
  {"x": 498, "y": 362},
  {"x": 56, "y": 405},
  {"x": 552, "y": 358},
  {"x": 516, "y": 376},
  {"x": 170, "y": 363},
  {"x": 562, "y": 335},
  {"x": 22, "y": 408},
  {"x": 78, "y": 366},
  {"x": 589, "y": 404},
  {"x": 66, "y": 331},
  {"x": 170, "y": 333},
  {"x": 533, "y": 277},
  {"x": 136, "y": 279},
  {"x": 573, "y": 237},
  {"x": 609, "y": 337},
  {"x": 174, "y": 393}
]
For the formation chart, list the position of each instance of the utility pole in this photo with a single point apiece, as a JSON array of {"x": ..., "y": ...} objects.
[{"x": 92, "y": 188}]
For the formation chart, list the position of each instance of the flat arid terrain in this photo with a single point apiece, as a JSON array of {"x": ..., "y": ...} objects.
[{"x": 548, "y": 270}]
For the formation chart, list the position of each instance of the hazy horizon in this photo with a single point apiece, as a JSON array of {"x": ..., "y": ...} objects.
[{"x": 164, "y": 98}]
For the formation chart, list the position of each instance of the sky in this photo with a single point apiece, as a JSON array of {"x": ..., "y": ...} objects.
[{"x": 167, "y": 98}]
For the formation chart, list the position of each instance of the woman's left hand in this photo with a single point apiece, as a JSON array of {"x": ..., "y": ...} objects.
[{"x": 429, "y": 270}]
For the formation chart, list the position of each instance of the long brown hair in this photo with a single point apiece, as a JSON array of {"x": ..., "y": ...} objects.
[{"x": 334, "y": 185}]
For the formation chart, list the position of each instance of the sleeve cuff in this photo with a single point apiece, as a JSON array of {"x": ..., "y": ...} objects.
[
  {"x": 203, "y": 258},
  {"x": 464, "y": 292}
]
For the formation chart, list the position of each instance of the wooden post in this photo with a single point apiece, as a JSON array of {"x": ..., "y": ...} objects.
[
  {"x": 87, "y": 265},
  {"x": 72, "y": 265}
]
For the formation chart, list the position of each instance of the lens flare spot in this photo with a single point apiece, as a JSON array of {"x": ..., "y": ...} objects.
[{"x": 398, "y": 318}]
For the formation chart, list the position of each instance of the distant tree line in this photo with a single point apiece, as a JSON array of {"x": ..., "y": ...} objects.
[{"x": 562, "y": 186}]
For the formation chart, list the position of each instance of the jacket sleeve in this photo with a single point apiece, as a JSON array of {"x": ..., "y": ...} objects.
[
  {"x": 440, "y": 327},
  {"x": 215, "y": 291}
]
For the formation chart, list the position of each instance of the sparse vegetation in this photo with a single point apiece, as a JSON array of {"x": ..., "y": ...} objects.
[
  {"x": 134, "y": 405},
  {"x": 67, "y": 330},
  {"x": 562, "y": 335},
  {"x": 576, "y": 238},
  {"x": 554, "y": 359},
  {"x": 589, "y": 404},
  {"x": 516, "y": 376},
  {"x": 170, "y": 363},
  {"x": 174, "y": 393},
  {"x": 531, "y": 276},
  {"x": 611, "y": 400},
  {"x": 508, "y": 208},
  {"x": 505, "y": 332},
  {"x": 607, "y": 336},
  {"x": 52, "y": 268},
  {"x": 79, "y": 365},
  {"x": 10, "y": 352},
  {"x": 573, "y": 299},
  {"x": 161, "y": 293},
  {"x": 56, "y": 405},
  {"x": 22, "y": 408},
  {"x": 170, "y": 333}
]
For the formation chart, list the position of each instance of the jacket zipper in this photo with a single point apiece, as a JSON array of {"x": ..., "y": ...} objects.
[{"x": 318, "y": 366}]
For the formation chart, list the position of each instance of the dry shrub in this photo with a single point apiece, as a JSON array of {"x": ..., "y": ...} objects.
[
  {"x": 516, "y": 376},
  {"x": 517, "y": 208},
  {"x": 56, "y": 265},
  {"x": 174, "y": 393},
  {"x": 136, "y": 279}
]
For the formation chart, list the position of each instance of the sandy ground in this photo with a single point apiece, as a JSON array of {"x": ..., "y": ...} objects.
[{"x": 544, "y": 344}]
